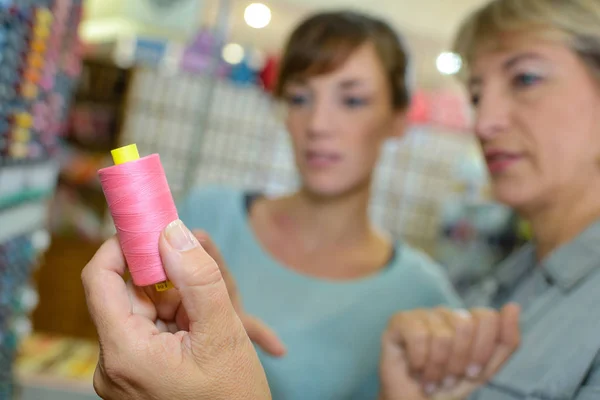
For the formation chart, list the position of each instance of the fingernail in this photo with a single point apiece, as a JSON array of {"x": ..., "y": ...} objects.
[
  {"x": 449, "y": 382},
  {"x": 473, "y": 371},
  {"x": 430, "y": 388},
  {"x": 462, "y": 313},
  {"x": 180, "y": 237}
]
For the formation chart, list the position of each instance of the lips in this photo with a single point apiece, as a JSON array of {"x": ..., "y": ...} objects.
[
  {"x": 500, "y": 160},
  {"x": 318, "y": 159}
]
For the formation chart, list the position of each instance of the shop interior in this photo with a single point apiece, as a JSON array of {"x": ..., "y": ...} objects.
[{"x": 192, "y": 80}]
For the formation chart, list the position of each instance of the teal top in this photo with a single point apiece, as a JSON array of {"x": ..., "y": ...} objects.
[{"x": 331, "y": 329}]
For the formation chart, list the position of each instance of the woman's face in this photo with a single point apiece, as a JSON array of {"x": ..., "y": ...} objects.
[
  {"x": 538, "y": 120},
  {"x": 338, "y": 122}
]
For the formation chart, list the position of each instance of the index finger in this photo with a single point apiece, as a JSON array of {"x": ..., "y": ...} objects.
[
  {"x": 105, "y": 289},
  {"x": 411, "y": 331}
]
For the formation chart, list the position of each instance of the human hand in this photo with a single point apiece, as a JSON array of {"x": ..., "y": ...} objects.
[
  {"x": 210, "y": 357},
  {"x": 169, "y": 304},
  {"x": 445, "y": 354}
]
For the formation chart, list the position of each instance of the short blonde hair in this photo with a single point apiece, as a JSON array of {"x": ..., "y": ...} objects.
[{"x": 576, "y": 22}]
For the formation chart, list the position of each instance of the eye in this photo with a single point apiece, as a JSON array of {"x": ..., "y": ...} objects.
[
  {"x": 526, "y": 80},
  {"x": 354, "y": 102},
  {"x": 297, "y": 99},
  {"x": 475, "y": 99}
]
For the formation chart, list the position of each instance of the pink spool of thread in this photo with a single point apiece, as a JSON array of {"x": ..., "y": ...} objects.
[{"x": 141, "y": 204}]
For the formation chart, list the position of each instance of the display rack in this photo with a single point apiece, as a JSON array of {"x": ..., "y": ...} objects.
[
  {"x": 94, "y": 123},
  {"x": 79, "y": 206},
  {"x": 244, "y": 144},
  {"x": 39, "y": 64}
]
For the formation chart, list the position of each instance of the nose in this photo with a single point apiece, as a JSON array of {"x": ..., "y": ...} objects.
[
  {"x": 320, "y": 120},
  {"x": 491, "y": 116}
]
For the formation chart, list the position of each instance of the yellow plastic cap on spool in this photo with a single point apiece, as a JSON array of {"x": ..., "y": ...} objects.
[{"x": 125, "y": 154}]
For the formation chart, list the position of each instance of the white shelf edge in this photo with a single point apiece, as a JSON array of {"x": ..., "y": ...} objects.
[
  {"x": 54, "y": 383},
  {"x": 22, "y": 219}
]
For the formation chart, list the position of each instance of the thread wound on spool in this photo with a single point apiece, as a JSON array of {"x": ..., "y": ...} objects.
[{"x": 141, "y": 204}]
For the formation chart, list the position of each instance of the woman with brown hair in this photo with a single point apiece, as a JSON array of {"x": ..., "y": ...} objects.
[{"x": 312, "y": 265}]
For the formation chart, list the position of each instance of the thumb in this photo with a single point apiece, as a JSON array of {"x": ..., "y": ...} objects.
[
  {"x": 197, "y": 277},
  {"x": 263, "y": 336},
  {"x": 213, "y": 251}
]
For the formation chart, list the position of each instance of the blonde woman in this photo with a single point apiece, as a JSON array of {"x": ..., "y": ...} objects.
[{"x": 533, "y": 74}]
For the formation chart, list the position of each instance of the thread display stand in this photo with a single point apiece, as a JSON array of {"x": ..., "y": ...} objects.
[
  {"x": 39, "y": 63},
  {"x": 237, "y": 138}
]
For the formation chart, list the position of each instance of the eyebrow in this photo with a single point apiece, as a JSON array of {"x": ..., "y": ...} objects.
[
  {"x": 511, "y": 62},
  {"x": 351, "y": 83},
  {"x": 297, "y": 81},
  {"x": 508, "y": 64}
]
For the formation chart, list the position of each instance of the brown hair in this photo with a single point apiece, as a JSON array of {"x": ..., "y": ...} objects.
[{"x": 324, "y": 41}]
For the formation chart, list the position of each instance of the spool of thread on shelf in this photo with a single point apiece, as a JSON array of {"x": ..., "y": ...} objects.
[{"x": 141, "y": 204}]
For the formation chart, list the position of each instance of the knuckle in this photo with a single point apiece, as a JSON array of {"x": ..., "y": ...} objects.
[
  {"x": 386, "y": 336},
  {"x": 432, "y": 374},
  {"x": 395, "y": 321},
  {"x": 486, "y": 314},
  {"x": 464, "y": 327},
  {"x": 441, "y": 351},
  {"x": 111, "y": 370},
  {"x": 441, "y": 310},
  {"x": 206, "y": 272},
  {"x": 418, "y": 336},
  {"x": 444, "y": 338},
  {"x": 85, "y": 275},
  {"x": 227, "y": 346},
  {"x": 479, "y": 311},
  {"x": 398, "y": 321},
  {"x": 494, "y": 317},
  {"x": 485, "y": 352}
]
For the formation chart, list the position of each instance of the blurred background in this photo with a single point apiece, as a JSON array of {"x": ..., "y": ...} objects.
[{"x": 191, "y": 80}]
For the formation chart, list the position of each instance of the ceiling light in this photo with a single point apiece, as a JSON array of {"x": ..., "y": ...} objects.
[
  {"x": 233, "y": 53},
  {"x": 449, "y": 63},
  {"x": 257, "y": 15}
]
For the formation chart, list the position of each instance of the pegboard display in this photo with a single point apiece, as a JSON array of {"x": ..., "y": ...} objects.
[
  {"x": 235, "y": 136},
  {"x": 39, "y": 65}
]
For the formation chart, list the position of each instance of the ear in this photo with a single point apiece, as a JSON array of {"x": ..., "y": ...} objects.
[{"x": 399, "y": 124}]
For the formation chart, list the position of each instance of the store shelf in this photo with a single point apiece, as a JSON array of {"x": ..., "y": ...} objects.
[
  {"x": 39, "y": 37},
  {"x": 22, "y": 162},
  {"x": 56, "y": 367},
  {"x": 22, "y": 219},
  {"x": 51, "y": 388},
  {"x": 29, "y": 196},
  {"x": 26, "y": 183}
]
